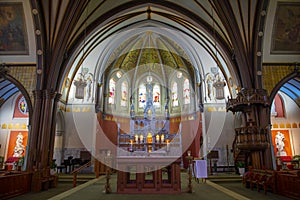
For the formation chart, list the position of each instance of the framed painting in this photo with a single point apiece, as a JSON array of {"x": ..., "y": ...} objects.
[
  {"x": 286, "y": 30},
  {"x": 13, "y": 34}
]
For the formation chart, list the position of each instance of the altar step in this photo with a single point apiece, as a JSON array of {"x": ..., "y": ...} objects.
[
  {"x": 81, "y": 178},
  {"x": 226, "y": 178}
]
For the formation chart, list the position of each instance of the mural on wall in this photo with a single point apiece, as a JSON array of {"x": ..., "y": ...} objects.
[
  {"x": 13, "y": 34},
  {"x": 281, "y": 143},
  {"x": 286, "y": 31},
  {"x": 17, "y": 143},
  {"x": 214, "y": 85},
  {"x": 83, "y": 86}
]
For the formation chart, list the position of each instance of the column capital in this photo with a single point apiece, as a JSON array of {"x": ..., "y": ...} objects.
[
  {"x": 49, "y": 93},
  {"x": 57, "y": 97}
]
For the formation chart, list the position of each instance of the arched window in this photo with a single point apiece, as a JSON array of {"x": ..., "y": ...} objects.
[
  {"x": 112, "y": 89},
  {"x": 142, "y": 95},
  {"x": 156, "y": 95},
  {"x": 186, "y": 91},
  {"x": 124, "y": 89},
  {"x": 174, "y": 95}
]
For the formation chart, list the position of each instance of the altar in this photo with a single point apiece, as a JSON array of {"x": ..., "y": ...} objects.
[
  {"x": 149, "y": 155},
  {"x": 148, "y": 175}
]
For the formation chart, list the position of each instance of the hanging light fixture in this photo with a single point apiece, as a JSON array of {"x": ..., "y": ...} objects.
[
  {"x": 218, "y": 83},
  {"x": 149, "y": 77}
]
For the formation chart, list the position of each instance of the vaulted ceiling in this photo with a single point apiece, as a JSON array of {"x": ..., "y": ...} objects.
[{"x": 234, "y": 27}]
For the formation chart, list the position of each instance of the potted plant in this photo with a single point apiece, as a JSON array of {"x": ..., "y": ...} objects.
[
  {"x": 20, "y": 163},
  {"x": 53, "y": 166},
  {"x": 241, "y": 167}
]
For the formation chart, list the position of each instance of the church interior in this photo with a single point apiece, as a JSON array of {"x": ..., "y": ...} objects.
[{"x": 145, "y": 89}]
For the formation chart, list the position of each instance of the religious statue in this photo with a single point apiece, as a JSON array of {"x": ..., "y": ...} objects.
[
  {"x": 19, "y": 148},
  {"x": 80, "y": 84},
  {"x": 210, "y": 89},
  {"x": 88, "y": 88},
  {"x": 219, "y": 85},
  {"x": 279, "y": 141}
]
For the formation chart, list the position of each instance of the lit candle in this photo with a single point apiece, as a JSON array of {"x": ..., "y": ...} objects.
[
  {"x": 162, "y": 138},
  {"x": 149, "y": 138},
  {"x": 141, "y": 138},
  {"x": 157, "y": 138},
  {"x": 131, "y": 145},
  {"x": 168, "y": 145},
  {"x": 136, "y": 138}
]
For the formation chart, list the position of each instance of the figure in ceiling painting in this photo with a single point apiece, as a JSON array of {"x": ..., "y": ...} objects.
[
  {"x": 12, "y": 29},
  {"x": 286, "y": 31}
]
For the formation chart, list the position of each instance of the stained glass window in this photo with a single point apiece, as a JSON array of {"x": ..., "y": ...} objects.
[
  {"x": 112, "y": 89},
  {"x": 186, "y": 92},
  {"x": 174, "y": 95},
  {"x": 142, "y": 95},
  {"x": 22, "y": 105},
  {"x": 156, "y": 95},
  {"x": 124, "y": 89}
]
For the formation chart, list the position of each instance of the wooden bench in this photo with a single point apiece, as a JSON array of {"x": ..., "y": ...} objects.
[{"x": 259, "y": 178}]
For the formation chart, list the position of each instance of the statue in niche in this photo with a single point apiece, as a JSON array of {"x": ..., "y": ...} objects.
[
  {"x": 19, "y": 148},
  {"x": 83, "y": 85},
  {"x": 88, "y": 90},
  {"x": 219, "y": 85},
  {"x": 279, "y": 141},
  {"x": 80, "y": 85},
  {"x": 210, "y": 88}
]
